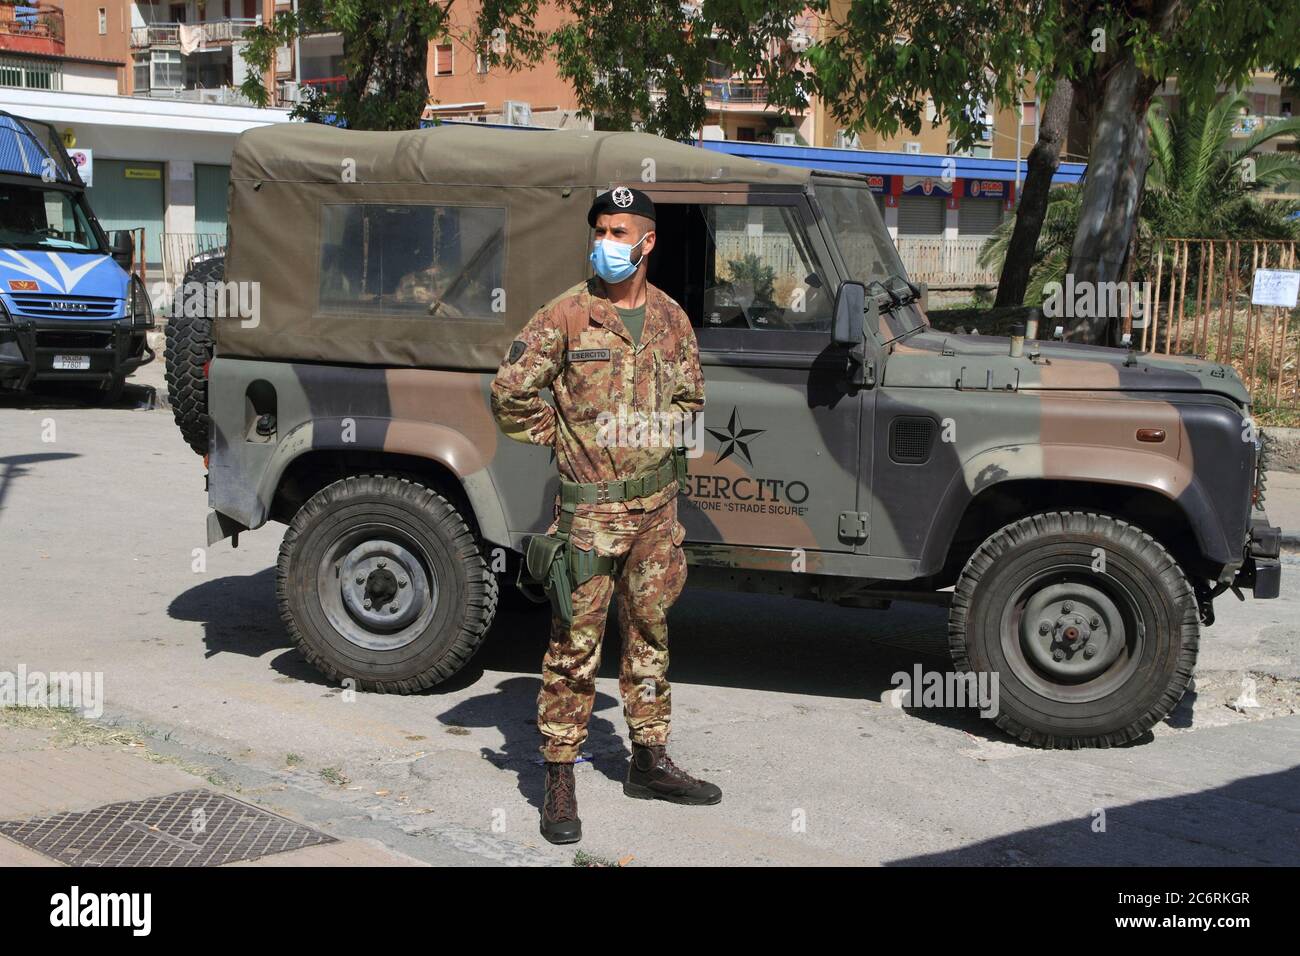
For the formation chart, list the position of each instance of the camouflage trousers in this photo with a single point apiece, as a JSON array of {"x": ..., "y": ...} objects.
[{"x": 650, "y": 576}]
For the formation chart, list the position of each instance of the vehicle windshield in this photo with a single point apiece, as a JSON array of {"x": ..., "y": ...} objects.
[
  {"x": 51, "y": 220},
  {"x": 850, "y": 212}
]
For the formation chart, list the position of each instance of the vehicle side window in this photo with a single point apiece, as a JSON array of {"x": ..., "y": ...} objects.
[
  {"x": 413, "y": 260},
  {"x": 739, "y": 267},
  {"x": 761, "y": 273}
]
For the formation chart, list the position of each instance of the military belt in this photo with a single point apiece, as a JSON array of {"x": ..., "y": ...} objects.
[
  {"x": 554, "y": 562},
  {"x": 622, "y": 489}
]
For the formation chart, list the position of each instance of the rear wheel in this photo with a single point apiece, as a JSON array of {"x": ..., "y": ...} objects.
[
  {"x": 1088, "y": 622},
  {"x": 381, "y": 580}
]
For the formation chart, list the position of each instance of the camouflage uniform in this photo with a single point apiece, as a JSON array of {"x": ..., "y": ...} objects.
[{"x": 577, "y": 346}]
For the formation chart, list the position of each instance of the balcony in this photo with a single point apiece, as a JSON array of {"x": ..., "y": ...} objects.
[
  {"x": 292, "y": 93},
  {"x": 735, "y": 94},
  {"x": 1249, "y": 124},
  {"x": 218, "y": 95},
  {"x": 206, "y": 33},
  {"x": 31, "y": 29}
]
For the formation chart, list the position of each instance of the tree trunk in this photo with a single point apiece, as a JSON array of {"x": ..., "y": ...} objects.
[
  {"x": 1118, "y": 156},
  {"x": 1031, "y": 207}
]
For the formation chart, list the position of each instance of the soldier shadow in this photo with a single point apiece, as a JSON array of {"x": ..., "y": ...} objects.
[
  {"x": 13, "y": 467},
  {"x": 511, "y": 708}
]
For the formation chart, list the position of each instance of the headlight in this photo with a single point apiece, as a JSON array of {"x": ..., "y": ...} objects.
[
  {"x": 5, "y": 317},
  {"x": 139, "y": 308}
]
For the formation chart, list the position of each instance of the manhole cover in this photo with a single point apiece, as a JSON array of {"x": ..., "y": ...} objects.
[{"x": 190, "y": 828}]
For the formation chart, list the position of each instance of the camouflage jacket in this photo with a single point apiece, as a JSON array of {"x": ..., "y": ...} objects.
[{"x": 602, "y": 384}]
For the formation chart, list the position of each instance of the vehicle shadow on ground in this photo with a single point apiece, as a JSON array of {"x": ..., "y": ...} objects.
[
  {"x": 752, "y": 642},
  {"x": 1251, "y": 820},
  {"x": 239, "y": 615},
  {"x": 46, "y": 397}
]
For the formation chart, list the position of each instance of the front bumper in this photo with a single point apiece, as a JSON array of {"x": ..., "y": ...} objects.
[
  {"x": 1261, "y": 572},
  {"x": 115, "y": 348}
]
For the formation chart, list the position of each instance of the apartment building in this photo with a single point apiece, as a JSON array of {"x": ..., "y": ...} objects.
[{"x": 144, "y": 95}]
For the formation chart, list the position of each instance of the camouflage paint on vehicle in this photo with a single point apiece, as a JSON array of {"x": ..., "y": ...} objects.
[{"x": 754, "y": 498}]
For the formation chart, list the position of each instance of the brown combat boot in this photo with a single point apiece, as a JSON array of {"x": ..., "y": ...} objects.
[
  {"x": 560, "y": 823},
  {"x": 652, "y": 775}
]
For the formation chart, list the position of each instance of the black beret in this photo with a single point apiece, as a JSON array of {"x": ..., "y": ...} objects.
[{"x": 622, "y": 199}]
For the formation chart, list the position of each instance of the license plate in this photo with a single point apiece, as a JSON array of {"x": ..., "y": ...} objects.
[{"x": 72, "y": 363}]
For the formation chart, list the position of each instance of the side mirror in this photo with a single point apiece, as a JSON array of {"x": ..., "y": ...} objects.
[
  {"x": 123, "y": 249},
  {"x": 850, "y": 312}
]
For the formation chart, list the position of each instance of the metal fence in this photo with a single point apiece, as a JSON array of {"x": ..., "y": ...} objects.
[
  {"x": 179, "y": 247},
  {"x": 1201, "y": 306},
  {"x": 938, "y": 261}
]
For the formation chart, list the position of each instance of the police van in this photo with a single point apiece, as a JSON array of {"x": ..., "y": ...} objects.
[{"x": 70, "y": 309}]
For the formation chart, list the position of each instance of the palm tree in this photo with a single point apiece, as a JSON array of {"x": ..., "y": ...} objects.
[{"x": 1198, "y": 186}]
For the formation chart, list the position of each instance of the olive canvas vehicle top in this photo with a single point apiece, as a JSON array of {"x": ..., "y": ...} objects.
[{"x": 1076, "y": 508}]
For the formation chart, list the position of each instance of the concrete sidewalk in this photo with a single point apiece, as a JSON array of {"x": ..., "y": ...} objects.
[{"x": 57, "y": 763}]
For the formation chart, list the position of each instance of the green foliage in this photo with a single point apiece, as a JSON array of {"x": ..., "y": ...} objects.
[
  {"x": 1052, "y": 252},
  {"x": 385, "y": 59},
  {"x": 1200, "y": 183},
  {"x": 750, "y": 270}
]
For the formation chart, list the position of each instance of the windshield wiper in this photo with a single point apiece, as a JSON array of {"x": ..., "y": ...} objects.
[{"x": 912, "y": 295}]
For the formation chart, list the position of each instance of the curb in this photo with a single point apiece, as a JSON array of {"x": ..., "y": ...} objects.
[{"x": 1290, "y": 541}]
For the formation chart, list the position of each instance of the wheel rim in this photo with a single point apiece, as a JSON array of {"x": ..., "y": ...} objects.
[
  {"x": 1071, "y": 636},
  {"x": 376, "y": 587}
]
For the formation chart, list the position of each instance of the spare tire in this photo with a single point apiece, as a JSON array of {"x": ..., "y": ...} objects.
[{"x": 188, "y": 350}]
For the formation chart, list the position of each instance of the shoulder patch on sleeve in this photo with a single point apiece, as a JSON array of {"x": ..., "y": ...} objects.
[{"x": 517, "y": 349}]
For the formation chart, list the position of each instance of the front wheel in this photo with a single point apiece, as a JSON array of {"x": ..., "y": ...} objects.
[
  {"x": 1088, "y": 623},
  {"x": 381, "y": 580}
]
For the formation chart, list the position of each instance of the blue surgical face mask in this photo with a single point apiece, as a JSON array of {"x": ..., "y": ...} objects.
[{"x": 613, "y": 260}]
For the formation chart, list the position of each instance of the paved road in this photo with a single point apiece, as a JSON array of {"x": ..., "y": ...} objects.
[{"x": 784, "y": 704}]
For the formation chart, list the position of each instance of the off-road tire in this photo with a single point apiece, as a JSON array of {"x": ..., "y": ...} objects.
[
  {"x": 1153, "y": 669},
  {"x": 188, "y": 348},
  {"x": 433, "y": 531}
]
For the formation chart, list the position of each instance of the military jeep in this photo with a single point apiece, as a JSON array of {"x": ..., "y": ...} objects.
[{"x": 1076, "y": 508}]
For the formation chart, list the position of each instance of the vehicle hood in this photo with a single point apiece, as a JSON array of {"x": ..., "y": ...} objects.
[
  {"x": 934, "y": 359},
  {"x": 61, "y": 273}
]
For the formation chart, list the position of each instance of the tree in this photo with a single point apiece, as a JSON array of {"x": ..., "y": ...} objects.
[
  {"x": 385, "y": 59},
  {"x": 1031, "y": 206},
  {"x": 1199, "y": 186},
  {"x": 886, "y": 65}
]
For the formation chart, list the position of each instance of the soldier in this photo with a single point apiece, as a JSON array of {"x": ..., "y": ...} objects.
[{"x": 617, "y": 355}]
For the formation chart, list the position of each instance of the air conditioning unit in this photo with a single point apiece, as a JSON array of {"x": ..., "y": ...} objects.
[
  {"x": 846, "y": 140},
  {"x": 785, "y": 137},
  {"x": 517, "y": 113},
  {"x": 912, "y": 148}
]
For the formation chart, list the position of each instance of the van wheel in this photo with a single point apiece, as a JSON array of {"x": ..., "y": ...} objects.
[
  {"x": 1088, "y": 622},
  {"x": 381, "y": 580},
  {"x": 187, "y": 351}
]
